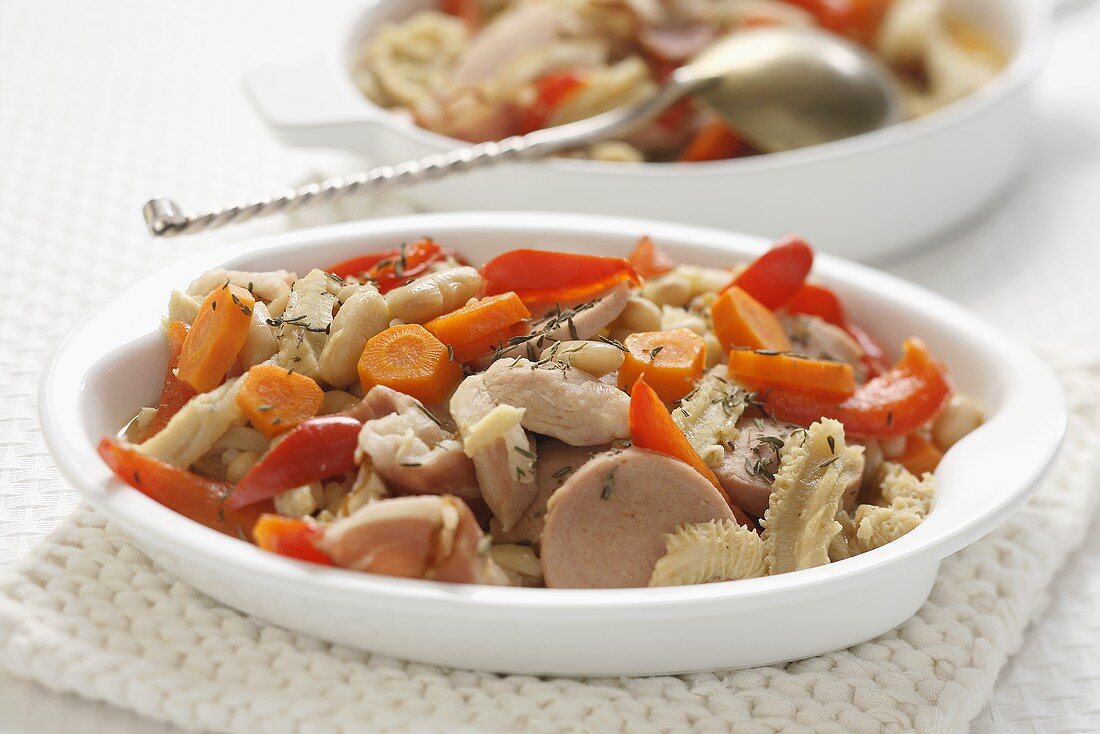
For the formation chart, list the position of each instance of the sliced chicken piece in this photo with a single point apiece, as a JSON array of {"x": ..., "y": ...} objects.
[
  {"x": 504, "y": 465},
  {"x": 413, "y": 537},
  {"x": 410, "y": 448},
  {"x": 197, "y": 426},
  {"x": 268, "y": 285},
  {"x": 512, "y": 34},
  {"x": 748, "y": 470},
  {"x": 814, "y": 337},
  {"x": 560, "y": 401},
  {"x": 579, "y": 322},
  {"x": 303, "y": 328},
  {"x": 557, "y": 462},
  {"x": 607, "y": 524}
]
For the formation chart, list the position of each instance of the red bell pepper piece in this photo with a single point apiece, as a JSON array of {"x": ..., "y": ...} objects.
[
  {"x": 907, "y": 396},
  {"x": 776, "y": 275},
  {"x": 543, "y": 276},
  {"x": 313, "y": 450},
  {"x": 394, "y": 268},
  {"x": 714, "y": 141},
  {"x": 817, "y": 300},
  {"x": 289, "y": 537},
  {"x": 551, "y": 90},
  {"x": 198, "y": 498},
  {"x": 175, "y": 393},
  {"x": 648, "y": 260},
  {"x": 468, "y": 11}
]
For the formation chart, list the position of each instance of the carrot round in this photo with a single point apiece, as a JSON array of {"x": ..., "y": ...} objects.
[
  {"x": 671, "y": 361},
  {"x": 920, "y": 455},
  {"x": 651, "y": 427},
  {"x": 833, "y": 380},
  {"x": 648, "y": 260},
  {"x": 474, "y": 328},
  {"x": 409, "y": 359},
  {"x": 216, "y": 336},
  {"x": 275, "y": 399},
  {"x": 742, "y": 321},
  {"x": 175, "y": 392}
]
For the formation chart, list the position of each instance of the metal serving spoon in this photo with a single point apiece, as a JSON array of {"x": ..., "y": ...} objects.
[{"x": 780, "y": 88}]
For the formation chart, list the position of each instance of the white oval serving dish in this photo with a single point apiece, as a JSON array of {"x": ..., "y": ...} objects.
[
  {"x": 902, "y": 184},
  {"x": 112, "y": 363}
]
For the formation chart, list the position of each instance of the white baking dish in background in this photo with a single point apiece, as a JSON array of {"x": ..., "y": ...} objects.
[
  {"x": 112, "y": 363},
  {"x": 862, "y": 197}
]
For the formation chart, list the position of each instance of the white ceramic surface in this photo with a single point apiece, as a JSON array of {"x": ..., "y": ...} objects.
[
  {"x": 902, "y": 184},
  {"x": 112, "y": 363}
]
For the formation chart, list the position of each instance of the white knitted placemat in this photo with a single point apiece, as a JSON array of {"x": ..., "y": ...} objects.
[{"x": 87, "y": 612}]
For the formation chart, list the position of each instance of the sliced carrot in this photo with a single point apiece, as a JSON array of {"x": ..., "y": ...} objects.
[
  {"x": 920, "y": 455},
  {"x": 216, "y": 336},
  {"x": 290, "y": 537},
  {"x": 648, "y": 260},
  {"x": 714, "y": 141},
  {"x": 763, "y": 369},
  {"x": 742, "y": 321},
  {"x": 671, "y": 361},
  {"x": 472, "y": 350},
  {"x": 476, "y": 326},
  {"x": 275, "y": 400},
  {"x": 651, "y": 427},
  {"x": 175, "y": 393},
  {"x": 409, "y": 359}
]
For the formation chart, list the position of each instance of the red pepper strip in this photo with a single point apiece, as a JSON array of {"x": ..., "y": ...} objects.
[
  {"x": 895, "y": 403},
  {"x": 175, "y": 393},
  {"x": 714, "y": 141},
  {"x": 776, "y": 275},
  {"x": 395, "y": 267},
  {"x": 817, "y": 300},
  {"x": 648, "y": 260},
  {"x": 551, "y": 91},
  {"x": 290, "y": 537},
  {"x": 857, "y": 18},
  {"x": 468, "y": 11},
  {"x": 542, "y": 276},
  {"x": 198, "y": 498},
  {"x": 318, "y": 448}
]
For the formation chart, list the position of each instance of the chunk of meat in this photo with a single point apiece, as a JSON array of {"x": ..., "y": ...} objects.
[
  {"x": 748, "y": 468},
  {"x": 504, "y": 467},
  {"x": 560, "y": 401},
  {"x": 818, "y": 339},
  {"x": 412, "y": 537},
  {"x": 578, "y": 322},
  {"x": 410, "y": 448},
  {"x": 267, "y": 286},
  {"x": 607, "y": 524},
  {"x": 557, "y": 462}
]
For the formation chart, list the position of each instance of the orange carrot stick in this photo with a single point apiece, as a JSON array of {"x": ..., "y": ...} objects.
[
  {"x": 762, "y": 369},
  {"x": 216, "y": 336},
  {"x": 671, "y": 361},
  {"x": 409, "y": 359},
  {"x": 467, "y": 329},
  {"x": 742, "y": 321},
  {"x": 275, "y": 400},
  {"x": 920, "y": 455}
]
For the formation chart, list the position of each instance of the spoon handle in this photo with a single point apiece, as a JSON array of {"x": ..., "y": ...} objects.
[{"x": 164, "y": 218}]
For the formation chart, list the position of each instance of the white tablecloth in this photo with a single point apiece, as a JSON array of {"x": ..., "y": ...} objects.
[{"x": 103, "y": 104}]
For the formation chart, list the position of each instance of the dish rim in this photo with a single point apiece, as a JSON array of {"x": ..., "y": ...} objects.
[
  {"x": 1021, "y": 68},
  {"x": 65, "y": 375}
]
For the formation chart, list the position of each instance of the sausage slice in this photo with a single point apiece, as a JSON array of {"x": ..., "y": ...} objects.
[{"x": 606, "y": 525}]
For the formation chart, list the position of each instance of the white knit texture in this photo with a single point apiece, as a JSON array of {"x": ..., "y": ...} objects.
[{"x": 89, "y": 613}]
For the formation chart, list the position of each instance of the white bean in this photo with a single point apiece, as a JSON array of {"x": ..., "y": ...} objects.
[
  {"x": 640, "y": 314},
  {"x": 336, "y": 401},
  {"x": 716, "y": 353},
  {"x": 892, "y": 447},
  {"x": 668, "y": 290},
  {"x": 433, "y": 294},
  {"x": 595, "y": 358},
  {"x": 240, "y": 466},
  {"x": 961, "y": 416},
  {"x": 260, "y": 342},
  {"x": 363, "y": 315}
]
